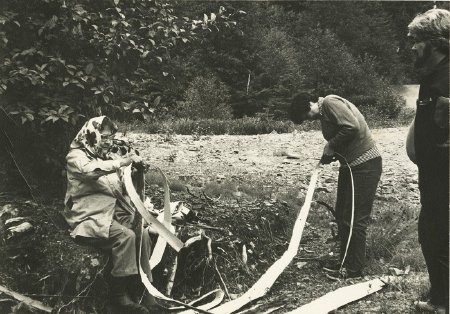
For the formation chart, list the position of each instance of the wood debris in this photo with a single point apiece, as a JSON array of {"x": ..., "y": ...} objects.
[{"x": 28, "y": 301}]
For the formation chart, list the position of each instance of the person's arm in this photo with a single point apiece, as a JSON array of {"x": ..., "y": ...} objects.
[
  {"x": 441, "y": 112},
  {"x": 348, "y": 125},
  {"x": 84, "y": 168}
]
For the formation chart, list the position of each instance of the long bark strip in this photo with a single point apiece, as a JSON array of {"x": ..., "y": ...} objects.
[
  {"x": 160, "y": 245},
  {"x": 262, "y": 286},
  {"x": 28, "y": 301},
  {"x": 343, "y": 296},
  {"x": 218, "y": 297},
  {"x": 163, "y": 232}
]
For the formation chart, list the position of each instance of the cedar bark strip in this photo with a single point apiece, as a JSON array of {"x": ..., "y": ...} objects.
[
  {"x": 163, "y": 232},
  {"x": 28, "y": 301},
  {"x": 262, "y": 286},
  {"x": 160, "y": 246},
  {"x": 343, "y": 296}
]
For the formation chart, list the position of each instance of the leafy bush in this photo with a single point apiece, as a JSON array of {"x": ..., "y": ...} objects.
[
  {"x": 206, "y": 97},
  {"x": 243, "y": 126},
  {"x": 64, "y": 61}
]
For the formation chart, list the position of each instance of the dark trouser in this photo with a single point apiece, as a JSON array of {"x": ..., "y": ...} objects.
[
  {"x": 365, "y": 178},
  {"x": 121, "y": 243},
  {"x": 433, "y": 226}
]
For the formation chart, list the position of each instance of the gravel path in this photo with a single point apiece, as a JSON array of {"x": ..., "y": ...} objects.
[{"x": 261, "y": 157}]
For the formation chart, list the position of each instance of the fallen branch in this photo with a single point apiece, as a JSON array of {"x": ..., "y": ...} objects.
[
  {"x": 328, "y": 207},
  {"x": 266, "y": 281},
  {"x": 28, "y": 301},
  {"x": 172, "y": 271},
  {"x": 205, "y": 226},
  {"x": 343, "y": 296},
  {"x": 224, "y": 286}
]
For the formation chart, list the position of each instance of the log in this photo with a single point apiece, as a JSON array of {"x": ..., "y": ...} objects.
[
  {"x": 28, "y": 301},
  {"x": 343, "y": 296}
]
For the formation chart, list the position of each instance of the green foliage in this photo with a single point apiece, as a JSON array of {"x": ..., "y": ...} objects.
[
  {"x": 242, "y": 126},
  {"x": 65, "y": 61},
  {"x": 206, "y": 97},
  {"x": 79, "y": 59}
]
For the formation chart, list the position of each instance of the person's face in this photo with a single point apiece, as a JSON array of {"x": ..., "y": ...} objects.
[
  {"x": 107, "y": 137},
  {"x": 422, "y": 52},
  {"x": 313, "y": 112}
]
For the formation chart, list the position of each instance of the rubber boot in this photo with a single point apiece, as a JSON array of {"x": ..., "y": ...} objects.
[
  {"x": 121, "y": 300},
  {"x": 150, "y": 303},
  {"x": 139, "y": 294}
]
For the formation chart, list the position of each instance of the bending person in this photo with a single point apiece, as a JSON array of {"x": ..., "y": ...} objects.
[
  {"x": 350, "y": 141},
  {"x": 100, "y": 215}
]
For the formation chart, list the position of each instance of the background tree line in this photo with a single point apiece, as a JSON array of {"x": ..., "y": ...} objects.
[{"x": 63, "y": 61}]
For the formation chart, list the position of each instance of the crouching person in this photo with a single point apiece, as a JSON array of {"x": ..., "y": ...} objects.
[
  {"x": 349, "y": 140},
  {"x": 99, "y": 214}
]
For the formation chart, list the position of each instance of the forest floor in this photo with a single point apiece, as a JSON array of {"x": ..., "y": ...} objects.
[
  {"x": 242, "y": 170},
  {"x": 246, "y": 186}
]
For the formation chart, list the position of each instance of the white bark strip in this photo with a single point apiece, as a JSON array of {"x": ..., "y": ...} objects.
[
  {"x": 219, "y": 294},
  {"x": 266, "y": 281},
  {"x": 160, "y": 245},
  {"x": 28, "y": 301},
  {"x": 163, "y": 232},
  {"x": 343, "y": 296}
]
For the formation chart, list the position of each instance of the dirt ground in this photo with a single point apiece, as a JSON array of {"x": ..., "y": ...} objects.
[
  {"x": 261, "y": 157},
  {"x": 246, "y": 159}
]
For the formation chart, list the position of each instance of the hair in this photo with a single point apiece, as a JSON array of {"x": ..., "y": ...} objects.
[
  {"x": 432, "y": 26},
  {"x": 108, "y": 124},
  {"x": 300, "y": 106}
]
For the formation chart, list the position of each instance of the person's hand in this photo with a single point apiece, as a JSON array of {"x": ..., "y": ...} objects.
[
  {"x": 441, "y": 112},
  {"x": 129, "y": 160},
  {"x": 136, "y": 159},
  {"x": 328, "y": 155},
  {"x": 326, "y": 159}
]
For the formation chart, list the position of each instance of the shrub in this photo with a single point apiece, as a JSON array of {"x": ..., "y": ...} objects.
[
  {"x": 206, "y": 97},
  {"x": 243, "y": 126}
]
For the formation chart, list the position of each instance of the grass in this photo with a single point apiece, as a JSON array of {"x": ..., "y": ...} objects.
[
  {"x": 250, "y": 125},
  {"x": 391, "y": 236}
]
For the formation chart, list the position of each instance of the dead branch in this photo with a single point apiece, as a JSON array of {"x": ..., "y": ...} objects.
[
  {"x": 28, "y": 301},
  {"x": 328, "y": 207},
  {"x": 222, "y": 283},
  {"x": 86, "y": 289}
]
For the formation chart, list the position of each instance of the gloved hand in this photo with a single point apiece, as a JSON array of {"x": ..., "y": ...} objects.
[
  {"x": 327, "y": 159},
  {"x": 327, "y": 155}
]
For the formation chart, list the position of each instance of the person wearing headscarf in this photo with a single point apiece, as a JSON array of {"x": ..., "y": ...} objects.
[
  {"x": 99, "y": 213},
  {"x": 428, "y": 147}
]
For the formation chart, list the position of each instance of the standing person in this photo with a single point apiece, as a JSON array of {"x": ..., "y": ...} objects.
[
  {"x": 349, "y": 139},
  {"x": 430, "y": 35},
  {"x": 100, "y": 215}
]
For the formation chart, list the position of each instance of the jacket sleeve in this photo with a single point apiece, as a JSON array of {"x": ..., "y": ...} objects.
[
  {"x": 85, "y": 168},
  {"x": 338, "y": 112}
]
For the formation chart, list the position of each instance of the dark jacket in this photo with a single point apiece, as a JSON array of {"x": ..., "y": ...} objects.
[
  {"x": 431, "y": 153},
  {"x": 344, "y": 127},
  {"x": 428, "y": 137}
]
